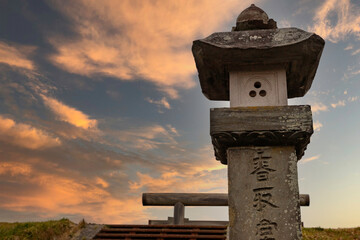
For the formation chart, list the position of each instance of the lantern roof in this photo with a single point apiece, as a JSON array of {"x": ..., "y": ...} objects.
[{"x": 293, "y": 49}]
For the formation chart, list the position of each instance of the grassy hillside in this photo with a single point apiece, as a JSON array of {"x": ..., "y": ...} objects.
[
  {"x": 64, "y": 229},
  {"x": 339, "y": 234},
  {"x": 59, "y": 230}
]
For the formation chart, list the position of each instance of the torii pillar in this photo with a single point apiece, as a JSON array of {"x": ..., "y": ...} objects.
[{"x": 258, "y": 67}]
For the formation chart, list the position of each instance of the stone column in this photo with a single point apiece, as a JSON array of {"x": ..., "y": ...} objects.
[
  {"x": 263, "y": 193},
  {"x": 261, "y": 146}
]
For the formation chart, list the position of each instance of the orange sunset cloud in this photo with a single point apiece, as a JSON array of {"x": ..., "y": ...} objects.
[
  {"x": 54, "y": 194},
  {"x": 93, "y": 199},
  {"x": 132, "y": 39},
  {"x": 348, "y": 20},
  {"x": 14, "y": 168},
  {"x": 69, "y": 114},
  {"x": 203, "y": 174},
  {"x": 16, "y": 55},
  {"x": 24, "y": 135}
]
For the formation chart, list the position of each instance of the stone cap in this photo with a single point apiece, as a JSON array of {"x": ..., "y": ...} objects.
[
  {"x": 295, "y": 50},
  {"x": 253, "y": 18},
  {"x": 260, "y": 126}
]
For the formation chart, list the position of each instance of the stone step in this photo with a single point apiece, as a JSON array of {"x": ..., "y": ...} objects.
[{"x": 159, "y": 232}]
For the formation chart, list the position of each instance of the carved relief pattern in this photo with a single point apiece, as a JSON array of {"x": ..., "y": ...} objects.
[{"x": 223, "y": 140}]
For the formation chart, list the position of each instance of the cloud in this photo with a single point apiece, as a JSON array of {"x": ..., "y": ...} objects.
[
  {"x": 318, "y": 107},
  {"x": 306, "y": 160},
  {"x": 196, "y": 171},
  {"x": 16, "y": 55},
  {"x": 72, "y": 180},
  {"x": 172, "y": 129},
  {"x": 14, "y": 168},
  {"x": 284, "y": 23},
  {"x": 25, "y": 135},
  {"x": 160, "y": 103},
  {"x": 351, "y": 72},
  {"x": 82, "y": 178},
  {"x": 89, "y": 180},
  {"x": 184, "y": 178},
  {"x": 69, "y": 114},
  {"x": 317, "y": 125},
  {"x": 102, "y": 182},
  {"x": 355, "y": 52},
  {"x": 340, "y": 103},
  {"x": 355, "y": 72},
  {"x": 337, "y": 20},
  {"x": 51, "y": 195},
  {"x": 148, "y": 137},
  {"x": 349, "y": 47},
  {"x": 134, "y": 39},
  {"x": 131, "y": 40},
  {"x": 353, "y": 99}
]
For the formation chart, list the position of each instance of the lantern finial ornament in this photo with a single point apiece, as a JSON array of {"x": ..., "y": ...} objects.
[{"x": 254, "y": 18}]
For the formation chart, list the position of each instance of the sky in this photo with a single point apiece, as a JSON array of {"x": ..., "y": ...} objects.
[{"x": 100, "y": 102}]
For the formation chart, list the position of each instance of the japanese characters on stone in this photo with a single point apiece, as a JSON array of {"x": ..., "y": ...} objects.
[{"x": 263, "y": 195}]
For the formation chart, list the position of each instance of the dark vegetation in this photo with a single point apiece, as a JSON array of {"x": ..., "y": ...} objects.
[
  {"x": 59, "y": 230},
  {"x": 329, "y": 233}
]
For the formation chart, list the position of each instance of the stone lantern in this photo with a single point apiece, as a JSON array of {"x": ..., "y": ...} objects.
[{"x": 258, "y": 67}]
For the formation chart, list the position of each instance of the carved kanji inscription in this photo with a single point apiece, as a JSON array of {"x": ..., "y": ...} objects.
[
  {"x": 261, "y": 166},
  {"x": 262, "y": 198},
  {"x": 265, "y": 229}
]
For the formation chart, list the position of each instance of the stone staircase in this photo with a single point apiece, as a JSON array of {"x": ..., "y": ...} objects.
[{"x": 161, "y": 232}]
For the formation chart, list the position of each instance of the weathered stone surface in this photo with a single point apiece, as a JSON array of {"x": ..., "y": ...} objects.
[
  {"x": 258, "y": 88},
  {"x": 170, "y": 221},
  {"x": 260, "y": 126},
  {"x": 196, "y": 199},
  {"x": 188, "y": 199},
  {"x": 253, "y": 17},
  {"x": 263, "y": 193},
  {"x": 179, "y": 213},
  {"x": 296, "y": 50}
]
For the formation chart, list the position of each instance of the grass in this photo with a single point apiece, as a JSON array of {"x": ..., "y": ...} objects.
[
  {"x": 319, "y": 233},
  {"x": 52, "y": 230}
]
